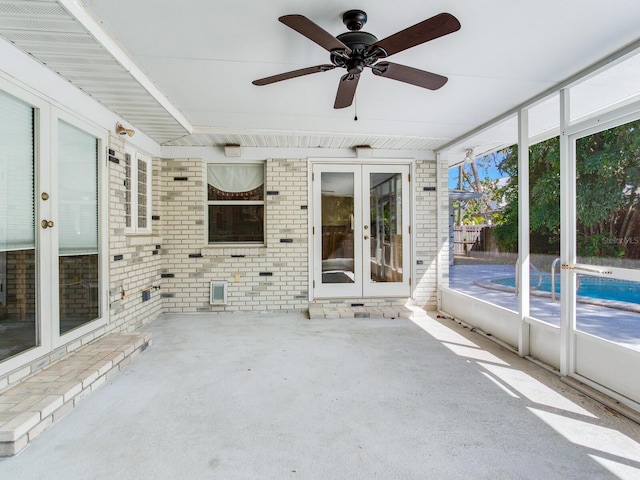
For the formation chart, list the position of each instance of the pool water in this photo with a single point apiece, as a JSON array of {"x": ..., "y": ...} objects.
[{"x": 589, "y": 286}]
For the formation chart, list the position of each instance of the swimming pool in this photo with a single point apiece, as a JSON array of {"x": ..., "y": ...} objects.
[{"x": 589, "y": 286}]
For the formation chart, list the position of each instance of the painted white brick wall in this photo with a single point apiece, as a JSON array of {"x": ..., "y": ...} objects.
[
  {"x": 426, "y": 230},
  {"x": 272, "y": 277},
  {"x": 134, "y": 260}
]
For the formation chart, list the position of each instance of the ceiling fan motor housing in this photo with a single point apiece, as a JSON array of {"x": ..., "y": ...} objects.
[{"x": 358, "y": 42}]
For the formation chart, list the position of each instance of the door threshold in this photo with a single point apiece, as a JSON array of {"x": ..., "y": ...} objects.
[{"x": 327, "y": 311}]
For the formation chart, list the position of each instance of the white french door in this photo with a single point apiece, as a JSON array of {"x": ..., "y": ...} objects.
[
  {"x": 52, "y": 267},
  {"x": 361, "y": 241}
]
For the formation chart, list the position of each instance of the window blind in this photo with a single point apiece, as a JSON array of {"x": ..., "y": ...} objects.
[
  {"x": 17, "y": 213},
  {"x": 78, "y": 191}
]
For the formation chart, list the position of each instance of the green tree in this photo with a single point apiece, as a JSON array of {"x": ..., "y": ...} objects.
[
  {"x": 608, "y": 186},
  {"x": 608, "y": 178}
]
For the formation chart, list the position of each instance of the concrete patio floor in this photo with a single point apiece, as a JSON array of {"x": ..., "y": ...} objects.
[{"x": 284, "y": 397}]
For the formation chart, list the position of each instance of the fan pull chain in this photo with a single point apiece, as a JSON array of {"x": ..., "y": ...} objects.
[{"x": 355, "y": 106}]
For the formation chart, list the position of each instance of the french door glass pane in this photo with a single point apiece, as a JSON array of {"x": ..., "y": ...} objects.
[
  {"x": 77, "y": 227},
  {"x": 385, "y": 201},
  {"x": 18, "y": 315},
  {"x": 337, "y": 227}
]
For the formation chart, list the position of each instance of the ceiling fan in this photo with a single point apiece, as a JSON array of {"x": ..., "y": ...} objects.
[{"x": 356, "y": 50}]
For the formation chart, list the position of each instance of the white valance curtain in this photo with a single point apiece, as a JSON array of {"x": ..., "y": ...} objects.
[
  {"x": 235, "y": 178},
  {"x": 17, "y": 214}
]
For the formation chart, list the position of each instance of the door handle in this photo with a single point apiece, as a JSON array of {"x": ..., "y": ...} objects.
[{"x": 47, "y": 224}]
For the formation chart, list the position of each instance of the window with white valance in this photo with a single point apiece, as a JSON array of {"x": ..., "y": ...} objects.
[{"x": 235, "y": 194}]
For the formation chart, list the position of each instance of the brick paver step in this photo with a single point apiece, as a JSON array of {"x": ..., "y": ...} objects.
[
  {"x": 37, "y": 402},
  {"x": 320, "y": 311}
]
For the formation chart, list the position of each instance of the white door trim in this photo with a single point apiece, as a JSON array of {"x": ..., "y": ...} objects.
[{"x": 408, "y": 219}]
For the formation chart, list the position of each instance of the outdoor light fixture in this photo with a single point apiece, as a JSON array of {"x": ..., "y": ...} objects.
[
  {"x": 364, "y": 151},
  {"x": 120, "y": 130},
  {"x": 468, "y": 157},
  {"x": 232, "y": 150}
]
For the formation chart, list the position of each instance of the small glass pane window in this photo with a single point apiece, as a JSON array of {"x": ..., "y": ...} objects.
[
  {"x": 142, "y": 194},
  {"x": 137, "y": 195},
  {"x": 127, "y": 192}
]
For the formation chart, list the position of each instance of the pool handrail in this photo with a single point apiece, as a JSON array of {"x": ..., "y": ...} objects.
[
  {"x": 553, "y": 279},
  {"x": 517, "y": 276}
]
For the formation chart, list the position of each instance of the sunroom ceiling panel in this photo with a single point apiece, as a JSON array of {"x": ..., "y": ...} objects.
[
  {"x": 50, "y": 34},
  {"x": 302, "y": 140},
  {"x": 35, "y": 10}
]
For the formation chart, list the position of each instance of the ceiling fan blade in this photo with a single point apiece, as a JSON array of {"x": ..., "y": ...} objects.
[
  {"x": 313, "y": 32},
  {"x": 430, "y": 29},
  {"x": 346, "y": 90},
  {"x": 411, "y": 75},
  {"x": 293, "y": 74}
]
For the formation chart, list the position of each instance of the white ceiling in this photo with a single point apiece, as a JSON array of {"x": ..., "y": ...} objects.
[{"x": 202, "y": 56}]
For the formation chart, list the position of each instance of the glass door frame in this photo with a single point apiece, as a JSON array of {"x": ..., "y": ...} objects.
[
  {"x": 381, "y": 289},
  {"x": 103, "y": 243},
  {"x": 365, "y": 288},
  {"x": 41, "y": 141},
  {"x": 569, "y": 249},
  {"x": 330, "y": 290}
]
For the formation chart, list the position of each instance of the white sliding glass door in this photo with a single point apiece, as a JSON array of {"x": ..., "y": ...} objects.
[
  {"x": 77, "y": 228},
  {"x": 19, "y": 324},
  {"x": 51, "y": 266}
]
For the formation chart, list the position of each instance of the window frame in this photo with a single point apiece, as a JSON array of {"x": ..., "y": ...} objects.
[
  {"x": 231, "y": 203},
  {"x": 131, "y": 185}
]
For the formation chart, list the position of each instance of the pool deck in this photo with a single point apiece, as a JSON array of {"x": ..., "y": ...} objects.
[{"x": 613, "y": 324}]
